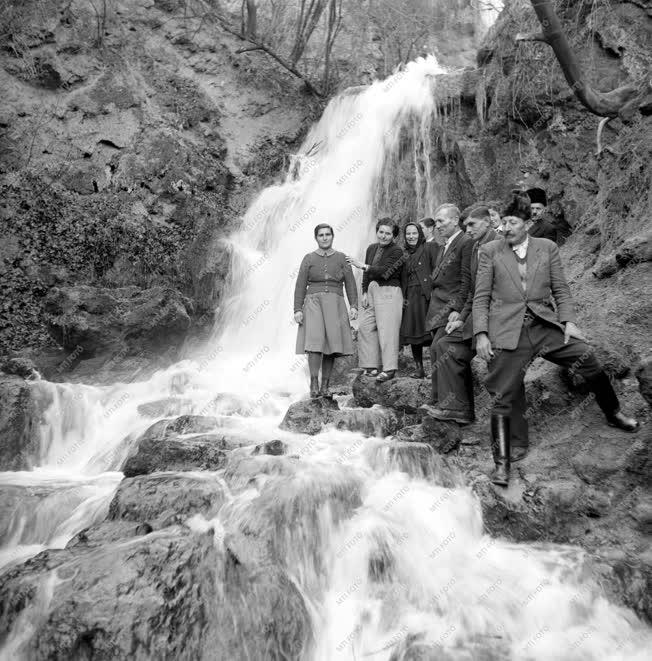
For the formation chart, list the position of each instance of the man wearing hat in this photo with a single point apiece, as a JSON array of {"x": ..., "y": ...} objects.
[{"x": 541, "y": 226}]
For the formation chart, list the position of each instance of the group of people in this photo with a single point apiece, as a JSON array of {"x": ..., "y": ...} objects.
[{"x": 475, "y": 283}]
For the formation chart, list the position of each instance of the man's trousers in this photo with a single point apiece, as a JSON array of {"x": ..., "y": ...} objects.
[
  {"x": 455, "y": 385},
  {"x": 437, "y": 334},
  {"x": 539, "y": 338}
]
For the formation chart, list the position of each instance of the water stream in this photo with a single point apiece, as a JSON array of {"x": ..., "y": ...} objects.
[{"x": 391, "y": 558}]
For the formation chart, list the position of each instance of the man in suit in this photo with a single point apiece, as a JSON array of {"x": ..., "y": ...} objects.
[
  {"x": 514, "y": 321},
  {"x": 456, "y": 348},
  {"x": 540, "y": 226},
  {"x": 449, "y": 289}
]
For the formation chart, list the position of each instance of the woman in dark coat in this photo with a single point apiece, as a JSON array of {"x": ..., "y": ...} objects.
[
  {"x": 416, "y": 285},
  {"x": 319, "y": 309}
]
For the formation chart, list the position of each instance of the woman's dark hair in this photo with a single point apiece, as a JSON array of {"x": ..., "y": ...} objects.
[
  {"x": 323, "y": 226},
  {"x": 518, "y": 205},
  {"x": 422, "y": 237},
  {"x": 388, "y": 222}
]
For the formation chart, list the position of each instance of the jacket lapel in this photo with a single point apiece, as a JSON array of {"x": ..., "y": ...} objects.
[
  {"x": 509, "y": 260},
  {"x": 441, "y": 258}
]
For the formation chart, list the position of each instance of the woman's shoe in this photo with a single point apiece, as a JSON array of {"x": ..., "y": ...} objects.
[
  {"x": 385, "y": 376},
  {"x": 371, "y": 372},
  {"x": 314, "y": 387},
  {"x": 418, "y": 374}
]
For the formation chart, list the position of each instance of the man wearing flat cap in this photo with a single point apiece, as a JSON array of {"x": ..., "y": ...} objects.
[{"x": 541, "y": 226}]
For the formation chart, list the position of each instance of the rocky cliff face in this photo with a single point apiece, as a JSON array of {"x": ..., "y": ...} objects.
[{"x": 130, "y": 144}]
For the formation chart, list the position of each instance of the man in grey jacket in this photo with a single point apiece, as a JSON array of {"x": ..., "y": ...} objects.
[{"x": 514, "y": 321}]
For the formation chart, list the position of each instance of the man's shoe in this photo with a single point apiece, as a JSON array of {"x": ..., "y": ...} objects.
[
  {"x": 386, "y": 376},
  {"x": 418, "y": 374},
  {"x": 451, "y": 416},
  {"x": 517, "y": 453},
  {"x": 500, "y": 442},
  {"x": 314, "y": 387},
  {"x": 620, "y": 420}
]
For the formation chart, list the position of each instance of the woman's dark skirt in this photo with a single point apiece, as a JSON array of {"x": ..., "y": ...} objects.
[{"x": 413, "y": 324}]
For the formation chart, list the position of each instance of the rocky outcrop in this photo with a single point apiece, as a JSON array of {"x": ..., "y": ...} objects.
[
  {"x": 17, "y": 414},
  {"x": 401, "y": 394},
  {"x": 179, "y": 444},
  {"x": 310, "y": 416},
  {"x": 127, "y": 320},
  {"x": 166, "y": 593},
  {"x": 644, "y": 376},
  {"x": 442, "y": 437},
  {"x": 163, "y": 499}
]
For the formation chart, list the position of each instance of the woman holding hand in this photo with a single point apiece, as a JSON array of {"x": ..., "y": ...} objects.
[{"x": 319, "y": 309}]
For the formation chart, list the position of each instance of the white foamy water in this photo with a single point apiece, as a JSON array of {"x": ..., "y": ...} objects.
[{"x": 383, "y": 560}]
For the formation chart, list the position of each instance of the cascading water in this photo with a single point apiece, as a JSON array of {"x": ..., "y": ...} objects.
[{"x": 384, "y": 560}]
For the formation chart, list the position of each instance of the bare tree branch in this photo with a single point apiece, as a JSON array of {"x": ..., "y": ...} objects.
[{"x": 603, "y": 104}]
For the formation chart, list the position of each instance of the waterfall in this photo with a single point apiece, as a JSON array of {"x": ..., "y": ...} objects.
[{"x": 385, "y": 559}]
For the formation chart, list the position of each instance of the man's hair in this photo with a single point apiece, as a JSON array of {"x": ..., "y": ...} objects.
[
  {"x": 427, "y": 221},
  {"x": 388, "y": 222},
  {"x": 323, "y": 226},
  {"x": 518, "y": 205},
  {"x": 537, "y": 196},
  {"x": 449, "y": 208},
  {"x": 480, "y": 212}
]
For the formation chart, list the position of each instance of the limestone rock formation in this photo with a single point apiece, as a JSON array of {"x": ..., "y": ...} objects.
[
  {"x": 126, "y": 319},
  {"x": 179, "y": 444},
  {"x": 17, "y": 412},
  {"x": 401, "y": 394}
]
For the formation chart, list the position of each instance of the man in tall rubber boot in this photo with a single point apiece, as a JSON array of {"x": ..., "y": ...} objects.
[
  {"x": 456, "y": 348},
  {"x": 514, "y": 322}
]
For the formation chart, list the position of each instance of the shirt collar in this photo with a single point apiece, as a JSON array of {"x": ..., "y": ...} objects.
[
  {"x": 522, "y": 247},
  {"x": 324, "y": 253}
]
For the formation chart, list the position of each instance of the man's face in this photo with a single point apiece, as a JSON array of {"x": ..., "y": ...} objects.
[
  {"x": 427, "y": 231},
  {"x": 537, "y": 210},
  {"x": 496, "y": 222},
  {"x": 446, "y": 224},
  {"x": 324, "y": 239},
  {"x": 384, "y": 235},
  {"x": 515, "y": 230},
  {"x": 476, "y": 228}
]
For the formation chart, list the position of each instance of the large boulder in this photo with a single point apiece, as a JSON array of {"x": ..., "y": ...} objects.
[
  {"x": 442, "y": 437},
  {"x": 163, "y": 499},
  {"x": 310, "y": 416},
  {"x": 126, "y": 319},
  {"x": 17, "y": 409},
  {"x": 169, "y": 594},
  {"x": 179, "y": 444},
  {"x": 402, "y": 394}
]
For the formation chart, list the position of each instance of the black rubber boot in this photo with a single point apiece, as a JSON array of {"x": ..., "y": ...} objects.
[
  {"x": 500, "y": 449},
  {"x": 607, "y": 400}
]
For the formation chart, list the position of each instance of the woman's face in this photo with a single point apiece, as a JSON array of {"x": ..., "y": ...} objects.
[
  {"x": 385, "y": 235},
  {"x": 324, "y": 238},
  {"x": 496, "y": 222},
  {"x": 411, "y": 235}
]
